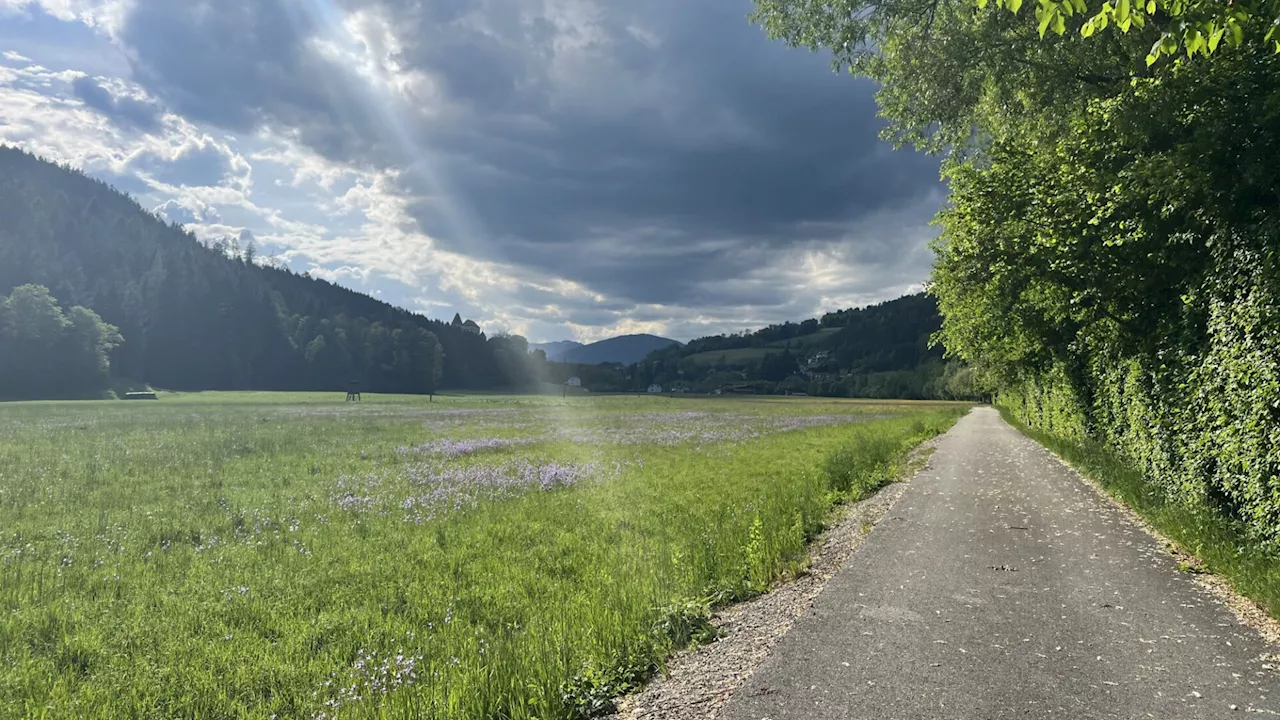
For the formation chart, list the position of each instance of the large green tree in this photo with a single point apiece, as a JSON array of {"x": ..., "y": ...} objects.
[{"x": 48, "y": 353}]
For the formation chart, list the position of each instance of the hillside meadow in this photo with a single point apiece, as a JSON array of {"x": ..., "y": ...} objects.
[{"x": 267, "y": 555}]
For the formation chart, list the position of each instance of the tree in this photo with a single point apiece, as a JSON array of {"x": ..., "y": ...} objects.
[
  {"x": 515, "y": 365},
  {"x": 950, "y": 75},
  {"x": 431, "y": 360},
  {"x": 34, "y": 318},
  {"x": 777, "y": 366},
  {"x": 46, "y": 353},
  {"x": 87, "y": 344}
]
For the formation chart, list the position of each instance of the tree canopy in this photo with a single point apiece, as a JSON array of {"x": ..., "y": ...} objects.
[{"x": 46, "y": 352}]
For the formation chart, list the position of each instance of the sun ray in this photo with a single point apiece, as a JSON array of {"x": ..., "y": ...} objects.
[{"x": 388, "y": 115}]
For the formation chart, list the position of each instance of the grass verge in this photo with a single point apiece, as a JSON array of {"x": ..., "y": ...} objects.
[{"x": 1218, "y": 544}]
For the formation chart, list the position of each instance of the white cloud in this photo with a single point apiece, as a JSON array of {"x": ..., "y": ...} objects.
[
  {"x": 106, "y": 15},
  {"x": 352, "y": 274},
  {"x": 33, "y": 118}
]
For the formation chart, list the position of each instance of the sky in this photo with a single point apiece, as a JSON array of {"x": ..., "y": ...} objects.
[{"x": 560, "y": 169}]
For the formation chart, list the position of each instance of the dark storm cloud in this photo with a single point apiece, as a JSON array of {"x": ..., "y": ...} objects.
[
  {"x": 228, "y": 63},
  {"x": 123, "y": 110},
  {"x": 757, "y": 144},
  {"x": 650, "y": 151},
  {"x": 245, "y": 64}
]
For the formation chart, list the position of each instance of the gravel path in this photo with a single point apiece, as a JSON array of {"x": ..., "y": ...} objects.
[
  {"x": 699, "y": 682},
  {"x": 1005, "y": 587}
]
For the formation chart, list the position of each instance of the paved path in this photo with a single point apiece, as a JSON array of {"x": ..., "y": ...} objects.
[{"x": 1000, "y": 586}]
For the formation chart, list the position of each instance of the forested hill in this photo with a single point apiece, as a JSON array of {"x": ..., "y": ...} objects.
[
  {"x": 882, "y": 350},
  {"x": 892, "y": 335},
  {"x": 194, "y": 317}
]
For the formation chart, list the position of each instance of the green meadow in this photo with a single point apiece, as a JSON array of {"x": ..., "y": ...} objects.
[{"x": 260, "y": 555}]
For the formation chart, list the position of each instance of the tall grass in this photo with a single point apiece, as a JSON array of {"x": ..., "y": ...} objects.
[
  {"x": 1223, "y": 546},
  {"x": 196, "y": 557}
]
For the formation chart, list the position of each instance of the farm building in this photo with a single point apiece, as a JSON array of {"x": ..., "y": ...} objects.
[{"x": 574, "y": 382}]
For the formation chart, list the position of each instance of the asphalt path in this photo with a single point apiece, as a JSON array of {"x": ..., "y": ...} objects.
[{"x": 1001, "y": 586}]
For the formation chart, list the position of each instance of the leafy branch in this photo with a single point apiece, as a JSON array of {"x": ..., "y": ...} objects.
[{"x": 1191, "y": 26}]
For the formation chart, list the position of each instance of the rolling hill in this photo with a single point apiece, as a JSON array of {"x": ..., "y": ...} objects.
[
  {"x": 880, "y": 350},
  {"x": 555, "y": 349},
  {"x": 625, "y": 349}
]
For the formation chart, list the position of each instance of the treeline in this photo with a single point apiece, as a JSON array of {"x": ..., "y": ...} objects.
[
  {"x": 880, "y": 351},
  {"x": 194, "y": 317},
  {"x": 1109, "y": 256},
  {"x": 49, "y": 352}
]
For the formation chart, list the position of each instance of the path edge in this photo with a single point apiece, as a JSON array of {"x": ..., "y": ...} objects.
[
  {"x": 698, "y": 682},
  {"x": 1246, "y": 610}
]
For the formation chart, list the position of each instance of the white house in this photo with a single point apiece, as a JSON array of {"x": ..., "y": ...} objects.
[
  {"x": 574, "y": 382},
  {"x": 655, "y": 388}
]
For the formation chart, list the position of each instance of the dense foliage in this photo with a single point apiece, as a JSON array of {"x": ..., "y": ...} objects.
[
  {"x": 1193, "y": 26},
  {"x": 46, "y": 352},
  {"x": 1108, "y": 259}
]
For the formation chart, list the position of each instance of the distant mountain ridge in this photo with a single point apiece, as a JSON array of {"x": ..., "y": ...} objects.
[
  {"x": 556, "y": 348},
  {"x": 624, "y": 349}
]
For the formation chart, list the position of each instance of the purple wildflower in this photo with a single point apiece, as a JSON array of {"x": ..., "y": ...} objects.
[{"x": 459, "y": 448}]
